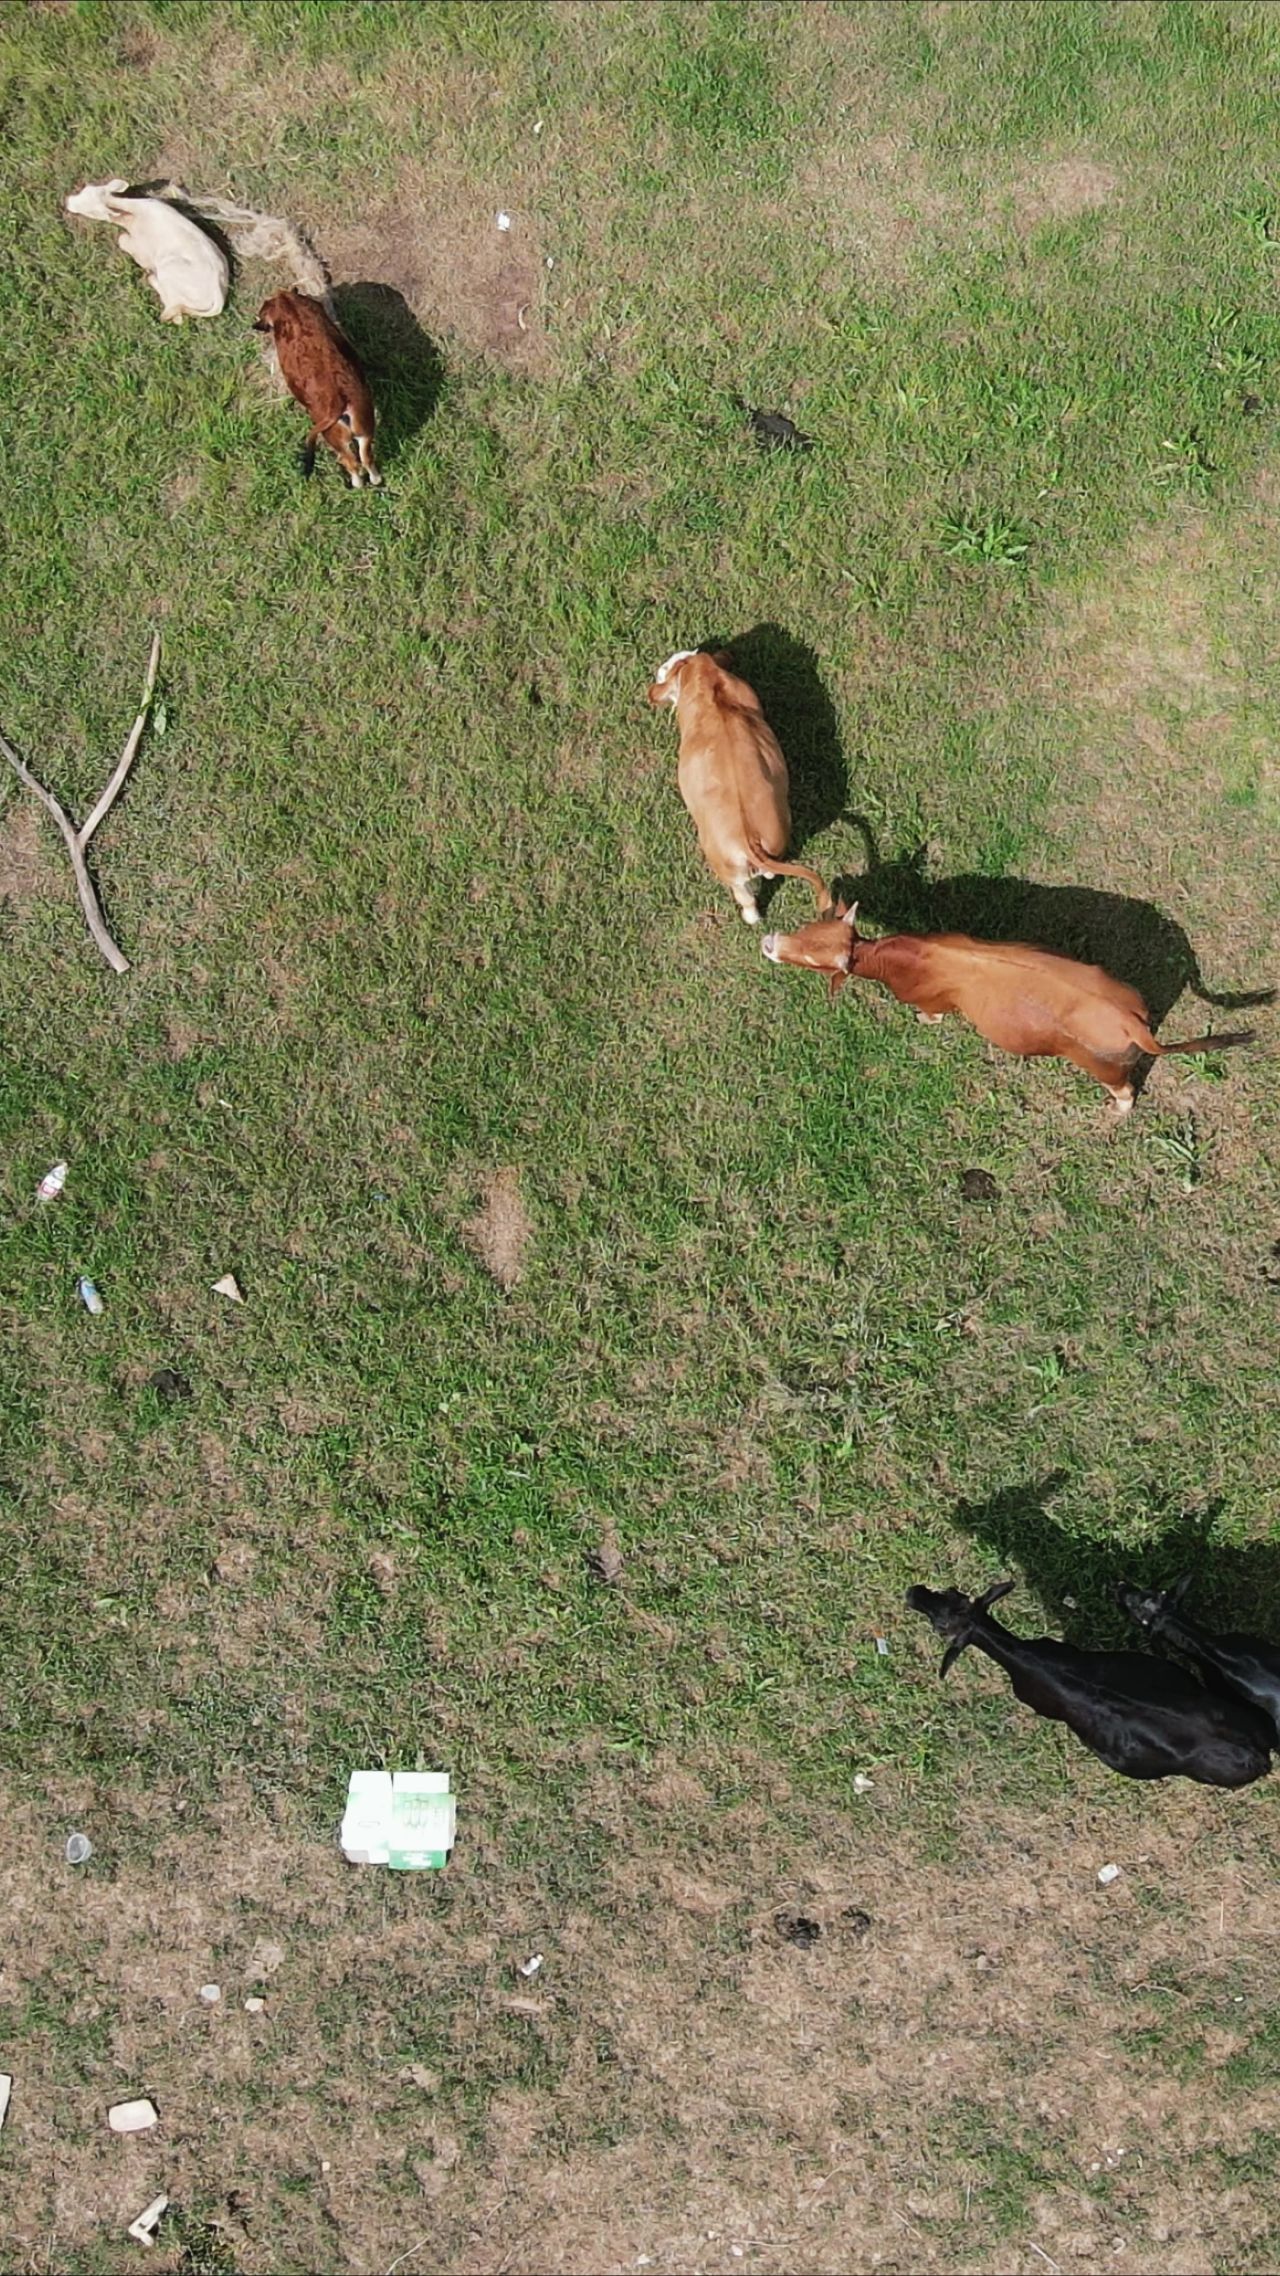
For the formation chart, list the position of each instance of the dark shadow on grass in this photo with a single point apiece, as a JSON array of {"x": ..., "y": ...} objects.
[
  {"x": 1233, "y": 1585},
  {"x": 1133, "y": 940},
  {"x": 404, "y": 365},
  {"x": 785, "y": 676}
]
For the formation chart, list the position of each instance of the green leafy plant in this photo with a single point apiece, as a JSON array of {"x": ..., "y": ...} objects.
[
  {"x": 996, "y": 542},
  {"x": 1184, "y": 1149},
  {"x": 1186, "y": 462}
]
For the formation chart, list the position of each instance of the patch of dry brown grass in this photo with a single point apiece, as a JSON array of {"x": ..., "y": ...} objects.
[{"x": 500, "y": 1231}]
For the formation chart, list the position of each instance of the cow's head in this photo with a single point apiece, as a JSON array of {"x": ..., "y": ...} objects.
[
  {"x": 664, "y": 688},
  {"x": 92, "y": 200},
  {"x": 826, "y": 945},
  {"x": 277, "y": 314}
]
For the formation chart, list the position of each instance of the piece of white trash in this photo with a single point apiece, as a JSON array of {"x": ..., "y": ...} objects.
[
  {"x": 132, "y": 2117},
  {"x": 143, "y": 2229},
  {"x": 503, "y": 220},
  {"x": 210, "y": 1994},
  {"x": 52, "y": 1182},
  {"x": 1107, "y": 1874},
  {"x": 862, "y": 1784},
  {"x": 228, "y": 1286},
  {"x": 254, "y": 2006},
  {"x": 79, "y": 1849},
  {"x": 404, "y": 1818},
  {"x": 531, "y": 1966},
  {"x": 882, "y": 1646},
  {"x": 90, "y": 1298},
  {"x": 6, "y": 2089}
]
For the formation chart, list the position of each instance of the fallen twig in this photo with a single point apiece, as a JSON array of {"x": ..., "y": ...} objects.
[{"x": 77, "y": 840}]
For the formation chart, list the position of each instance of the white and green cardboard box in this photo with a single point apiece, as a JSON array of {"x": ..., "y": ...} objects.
[{"x": 402, "y": 1818}]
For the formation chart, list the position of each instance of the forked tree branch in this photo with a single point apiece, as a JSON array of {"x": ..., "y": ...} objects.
[{"x": 77, "y": 840}]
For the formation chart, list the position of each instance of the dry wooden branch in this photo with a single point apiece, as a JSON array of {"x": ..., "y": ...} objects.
[{"x": 77, "y": 840}]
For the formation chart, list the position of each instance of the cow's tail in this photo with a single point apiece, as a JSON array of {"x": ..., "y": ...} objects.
[
  {"x": 1202, "y": 1042},
  {"x": 770, "y": 866}
]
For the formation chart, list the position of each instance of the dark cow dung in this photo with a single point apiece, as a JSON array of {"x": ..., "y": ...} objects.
[
  {"x": 797, "y": 1928},
  {"x": 979, "y": 1185},
  {"x": 773, "y": 430},
  {"x": 169, "y": 1385}
]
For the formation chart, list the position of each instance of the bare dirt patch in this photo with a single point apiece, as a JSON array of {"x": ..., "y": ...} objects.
[
  {"x": 884, "y": 201},
  {"x": 501, "y": 1229},
  {"x": 1159, "y": 663},
  {"x": 25, "y": 867},
  {"x": 878, "y": 199},
  {"x": 1059, "y": 189},
  {"x": 455, "y": 269},
  {"x": 913, "y": 2080},
  {"x": 1173, "y": 787}
]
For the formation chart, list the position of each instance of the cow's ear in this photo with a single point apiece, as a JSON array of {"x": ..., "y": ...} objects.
[{"x": 836, "y": 981}]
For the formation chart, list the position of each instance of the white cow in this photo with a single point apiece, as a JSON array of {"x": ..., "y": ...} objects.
[{"x": 187, "y": 268}]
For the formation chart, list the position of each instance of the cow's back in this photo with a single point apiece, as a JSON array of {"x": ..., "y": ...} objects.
[
  {"x": 1023, "y": 999},
  {"x": 732, "y": 774}
]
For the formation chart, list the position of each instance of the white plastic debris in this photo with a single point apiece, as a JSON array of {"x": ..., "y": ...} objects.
[
  {"x": 862, "y": 1784},
  {"x": 404, "y": 1818},
  {"x": 537, "y": 126},
  {"x": 79, "y": 1849},
  {"x": 503, "y": 220},
  {"x": 52, "y": 1182},
  {"x": 6, "y": 2089},
  {"x": 531, "y": 1966},
  {"x": 143, "y": 2230},
  {"x": 228, "y": 1286},
  {"x": 90, "y": 1298},
  {"x": 882, "y": 1647},
  {"x": 132, "y": 2117},
  {"x": 210, "y": 1994},
  {"x": 254, "y": 2006},
  {"x": 1107, "y": 1874}
]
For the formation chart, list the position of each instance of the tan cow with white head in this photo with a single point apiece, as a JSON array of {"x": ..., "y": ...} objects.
[{"x": 732, "y": 775}]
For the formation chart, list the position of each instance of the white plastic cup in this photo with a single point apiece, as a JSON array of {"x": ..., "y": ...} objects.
[{"x": 79, "y": 1849}]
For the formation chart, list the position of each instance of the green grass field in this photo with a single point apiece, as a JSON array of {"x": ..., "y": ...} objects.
[{"x": 559, "y": 1214}]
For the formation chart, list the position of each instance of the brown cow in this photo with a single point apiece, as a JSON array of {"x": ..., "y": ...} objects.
[
  {"x": 1024, "y": 1000},
  {"x": 732, "y": 775},
  {"x": 323, "y": 371}
]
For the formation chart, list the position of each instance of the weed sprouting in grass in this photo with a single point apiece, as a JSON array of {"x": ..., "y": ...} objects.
[
  {"x": 1184, "y": 1147},
  {"x": 203, "y": 2248},
  {"x": 1259, "y": 223},
  {"x": 993, "y": 541},
  {"x": 1186, "y": 464}
]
